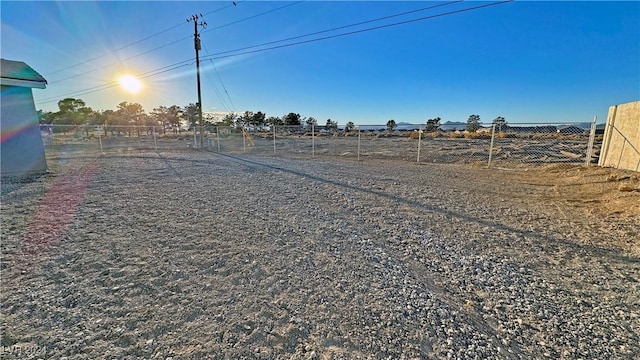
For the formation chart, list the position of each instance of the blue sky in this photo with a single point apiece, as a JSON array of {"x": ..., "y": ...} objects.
[{"x": 527, "y": 61}]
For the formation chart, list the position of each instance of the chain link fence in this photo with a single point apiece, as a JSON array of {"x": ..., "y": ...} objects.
[{"x": 506, "y": 145}]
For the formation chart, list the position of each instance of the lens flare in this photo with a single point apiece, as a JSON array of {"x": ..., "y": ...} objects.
[{"x": 130, "y": 83}]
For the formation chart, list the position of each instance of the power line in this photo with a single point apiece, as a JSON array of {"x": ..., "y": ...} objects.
[
  {"x": 221, "y": 83},
  {"x": 223, "y": 87},
  {"x": 161, "y": 46},
  {"x": 220, "y": 56},
  {"x": 133, "y": 43},
  {"x": 255, "y": 16},
  {"x": 125, "y": 59},
  {"x": 114, "y": 83},
  {"x": 343, "y": 27},
  {"x": 258, "y": 45}
]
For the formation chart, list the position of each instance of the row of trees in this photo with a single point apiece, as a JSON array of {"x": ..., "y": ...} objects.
[
  {"x": 472, "y": 125},
  {"x": 75, "y": 112}
]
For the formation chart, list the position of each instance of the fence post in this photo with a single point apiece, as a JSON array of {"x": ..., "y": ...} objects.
[
  {"x": 274, "y": 139},
  {"x": 419, "y": 144},
  {"x": 195, "y": 143},
  {"x": 218, "y": 136},
  {"x": 155, "y": 141},
  {"x": 244, "y": 140},
  {"x": 358, "y": 143},
  {"x": 493, "y": 135},
  {"x": 592, "y": 138},
  {"x": 313, "y": 140},
  {"x": 100, "y": 141}
]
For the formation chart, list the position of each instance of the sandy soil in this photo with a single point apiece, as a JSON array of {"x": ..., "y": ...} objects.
[{"x": 187, "y": 254}]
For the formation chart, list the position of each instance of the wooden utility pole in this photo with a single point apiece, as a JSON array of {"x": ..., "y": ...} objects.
[{"x": 196, "y": 42}]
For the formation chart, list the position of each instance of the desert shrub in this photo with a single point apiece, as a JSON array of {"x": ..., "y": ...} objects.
[
  {"x": 454, "y": 135},
  {"x": 477, "y": 135},
  {"x": 433, "y": 134}
]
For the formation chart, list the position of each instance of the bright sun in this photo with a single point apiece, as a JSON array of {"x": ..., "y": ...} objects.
[{"x": 130, "y": 83}]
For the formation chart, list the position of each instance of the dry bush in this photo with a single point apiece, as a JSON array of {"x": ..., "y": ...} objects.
[
  {"x": 477, "y": 135},
  {"x": 454, "y": 135},
  {"x": 416, "y": 135},
  {"x": 433, "y": 134}
]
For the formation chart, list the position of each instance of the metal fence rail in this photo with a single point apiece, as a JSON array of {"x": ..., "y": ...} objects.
[{"x": 515, "y": 145}]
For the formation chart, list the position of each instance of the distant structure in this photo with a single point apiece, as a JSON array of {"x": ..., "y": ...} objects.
[
  {"x": 21, "y": 148},
  {"x": 621, "y": 142}
]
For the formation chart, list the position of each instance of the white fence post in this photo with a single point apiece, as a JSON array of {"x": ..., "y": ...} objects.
[
  {"x": 358, "y": 143},
  {"x": 419, "y": 144},
  {"x": 313, "y": 140},
  {"x": 100, "y": 141},
  {"x": 274, "y": 139},
  {"x": 493, "y": 136},
  {"x": 592, "y": 137},
  {"x": 218, "y": 136},
  {"x": 155, "y": 141},
  {"x": 244, "y": 140}
]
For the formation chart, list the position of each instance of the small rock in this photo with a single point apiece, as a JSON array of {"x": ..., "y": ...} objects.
[{"x": 626, "y": 187}]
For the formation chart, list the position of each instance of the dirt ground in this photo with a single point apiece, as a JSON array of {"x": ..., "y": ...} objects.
[
  {"x": 603, "y": 192},
  {"x": 583, "y": 196},
  {"x": 191, "y": 254}
]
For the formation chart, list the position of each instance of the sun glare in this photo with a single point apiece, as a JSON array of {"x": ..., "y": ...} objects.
[{"x": 130, "y": 83}]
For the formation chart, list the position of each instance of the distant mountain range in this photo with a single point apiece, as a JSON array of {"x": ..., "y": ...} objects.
[{"x": 459, "y": 125}]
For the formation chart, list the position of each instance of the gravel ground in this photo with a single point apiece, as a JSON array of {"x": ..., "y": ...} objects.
[{"x": 188, "y": 255}]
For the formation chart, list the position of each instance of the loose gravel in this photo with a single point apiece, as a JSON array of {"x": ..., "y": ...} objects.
[{"x": 188, "y": 255}]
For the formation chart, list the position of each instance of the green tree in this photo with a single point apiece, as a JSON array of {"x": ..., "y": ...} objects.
[
  {"x": 349, "y": 126},
  {"x": 259, "y": 119},
  {"x": 473, "y": 123},
  {"x": 245, "y": 119},
  {"x": 107, "y": 119},
  {"x": 174, "y": 117},
  {"x": 499, "y": 123},
  {"x": 391, "y": 125},
  {"x": 46, "y": 117},
  {"x": 228, "y": 120},
  {"x": 191, "y": 115},
  {"x": 291, "y": 119},
  {"x": 161, "y": 116},
  {"x": 311, "y": 121},
  {"x": 433, "y": 125},
  {"x": 131, "y": 114},
  {"x": 331, "y": 125},
  {"x": 72, "y": 112},
  {"x": 275, "y": 121}
]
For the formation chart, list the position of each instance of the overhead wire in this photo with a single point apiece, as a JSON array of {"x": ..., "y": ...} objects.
[
  {"x": 226, "y": 54},
  {"x": 254, "y": 16},
  {"x": 133, "y": 43},
  {"x": 344, "y": 26},
  {"x": 221, "y": 55},
  {"x": 115, "y": 83},
  {"x": 221, "y": 83},
  {"x": 161, "y": 46}
]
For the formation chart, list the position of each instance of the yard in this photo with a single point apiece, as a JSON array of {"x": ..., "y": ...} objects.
[{"x": 192, "y": 254}]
